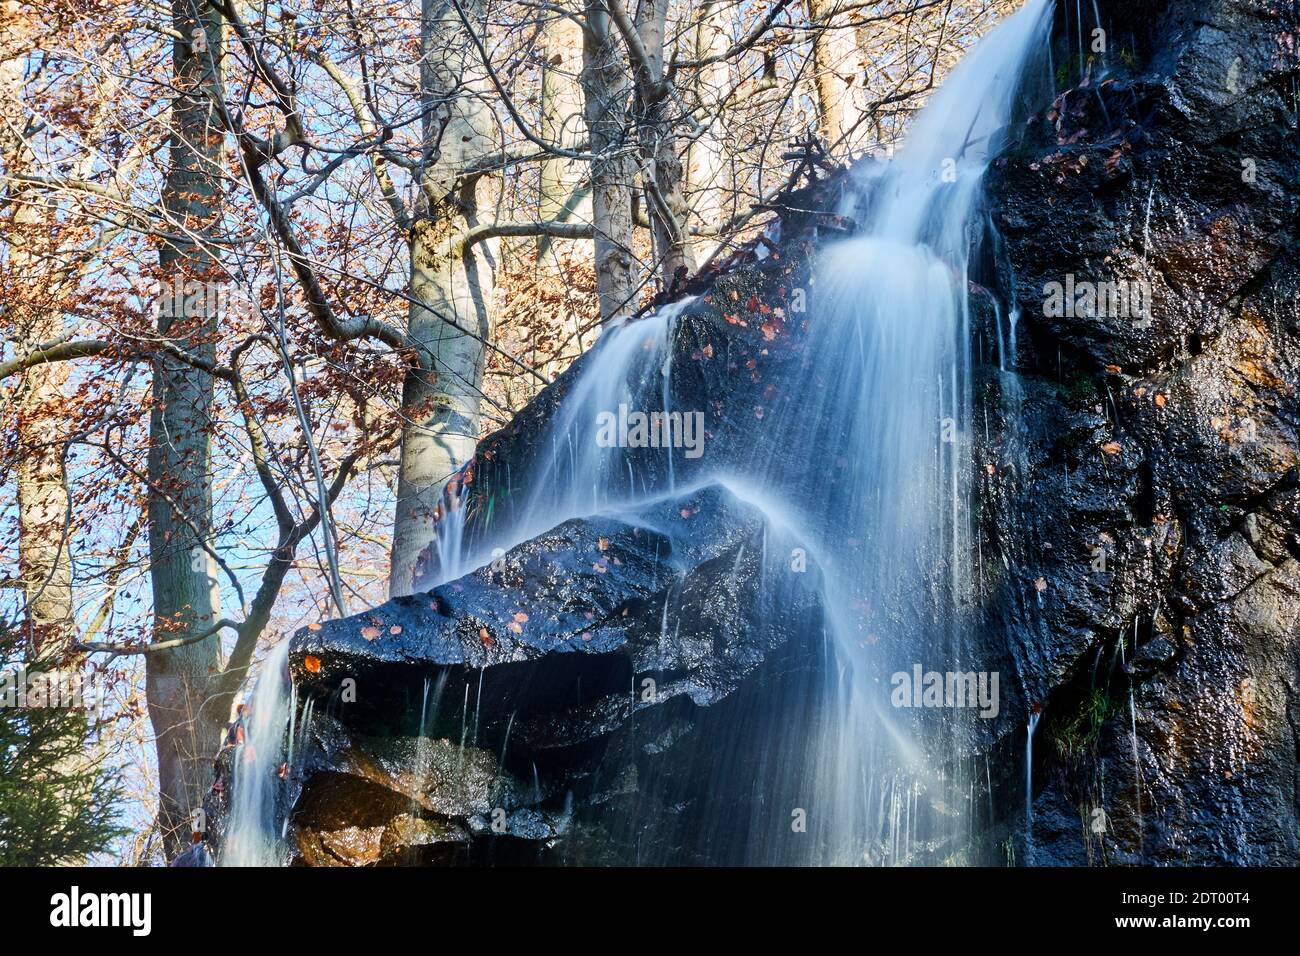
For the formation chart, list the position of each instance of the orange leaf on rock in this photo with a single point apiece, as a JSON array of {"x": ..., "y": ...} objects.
[
  {"x": 313, "y": 627},
  {"x": 312, "y": 663},
  {"x": 485, "y": 637},
  {"x": 1112, "y": 448},
  {"x": 520, "y": 617},
  {"x": 370, "y": 632}
]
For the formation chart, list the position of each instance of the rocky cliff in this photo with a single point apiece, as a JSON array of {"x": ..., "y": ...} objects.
[{"x": 1144, "y": 487}]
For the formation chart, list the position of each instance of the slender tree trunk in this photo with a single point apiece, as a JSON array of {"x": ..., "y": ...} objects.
[
  {"x": 45, "y": 518},
  {"x": 186, "y": 597},
  {"x": 710, "y": 189},
  {"x": 606, "y": 87},
  {"x": 44, "y": 514},
  {"x": 662, "y": 180},
  {"x": 836, "y": 73},
  {"x": 564, "y": 188},
  {"x": 441, "y": 394},
  {"x": 564, "y": 194}
]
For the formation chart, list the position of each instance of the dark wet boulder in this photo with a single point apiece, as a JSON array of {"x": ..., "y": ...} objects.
[
  {"x": 585, "y": 672},
  {"x": 592, "y": 587},
  {"x": 412, "y": 800}
]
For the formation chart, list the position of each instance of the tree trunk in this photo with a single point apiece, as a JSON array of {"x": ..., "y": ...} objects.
[
  {"x": 564, "y": 188},
  {"x": 662, "y": 180},
  {"x": 186, "y": 597},
  {"x": 44, "y": 518},
  {"x": 605, "y": 87},
  {"x": 564, "y": 193},
  {"x": 441, "y": 395},
  {"x": 710, "y": 190},
  {"x": 836, "y": 73}
]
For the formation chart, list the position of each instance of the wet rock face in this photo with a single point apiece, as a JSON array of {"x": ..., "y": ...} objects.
[
  {"x": 1144, "y": 479},
  {"x": 413, "y": 801}
]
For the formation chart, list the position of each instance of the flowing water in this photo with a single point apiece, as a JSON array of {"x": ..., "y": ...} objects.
[
  {"x": 887, "y": 383},
  {"x": 253, "y": 837},
  {"x": 889, "y": 386}
]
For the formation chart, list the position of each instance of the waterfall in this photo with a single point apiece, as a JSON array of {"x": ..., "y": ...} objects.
[
  {"x": 1030, "y": 727},
  {"x": 888, "y": 386},
  {"x": 579, "y": 475},
  {"x": 887, "y": 383}
]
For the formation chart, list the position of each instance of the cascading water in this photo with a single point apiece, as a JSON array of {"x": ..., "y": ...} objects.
[
  {"x": 581, "y": 475},
  {"x": 888, "y": 385},
  {"x": 253, "y": 836},
  {"x": 576, "y": 474},
  {"x": 886, "y": 382}
]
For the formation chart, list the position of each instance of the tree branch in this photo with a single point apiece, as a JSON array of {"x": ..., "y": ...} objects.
[
  {"x": 57, "y": 352},
  {"x": 558, "y": 230}
]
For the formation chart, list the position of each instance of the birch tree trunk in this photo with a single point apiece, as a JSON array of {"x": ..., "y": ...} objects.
[
  {"x": 441, "y": 395},
  {"x": 186, "y": 723},
  {"x": 606, "y": 87}
]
